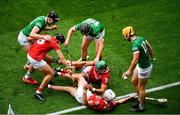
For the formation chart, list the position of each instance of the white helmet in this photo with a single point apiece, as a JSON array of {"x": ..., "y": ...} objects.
[{"x": 109, "y": 95}]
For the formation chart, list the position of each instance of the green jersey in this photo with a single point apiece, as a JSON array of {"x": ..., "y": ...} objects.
[
  {"x": 139, "y": 44},
  {"x": 96, "y": 27},
  {"x": 38, "y": 22}
]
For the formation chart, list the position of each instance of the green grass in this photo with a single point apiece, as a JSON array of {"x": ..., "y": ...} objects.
[
  {"x": 156, "y": 20},
  {"x": 152, "y": 107}
]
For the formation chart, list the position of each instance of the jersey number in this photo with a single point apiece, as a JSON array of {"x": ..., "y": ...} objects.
[
  {"x": 41, "y": 41},
  {"x": 143, "y": 44}
]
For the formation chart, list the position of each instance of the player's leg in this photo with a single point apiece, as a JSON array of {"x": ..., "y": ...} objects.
[
  {"x": 28, "y": 77},
  {"x": 26, "y": 48},
  {"x": 143, "y": 75},
  {"x": 49, "y": 73},
  {"x": 26, "y": 44},
  {"x": 48, "y": 59},
  {"x": 134, "y": 80},
  {"x": 85, "y": 71},
  {"x": 84, "y": 47},
  {"x": 80, "y": 80},
  {"x": 70, "y": 90},
  {"x": 99, "y": 47},
  {"x": 141, "y": 86},
  {"x": 77, "y": 78}
]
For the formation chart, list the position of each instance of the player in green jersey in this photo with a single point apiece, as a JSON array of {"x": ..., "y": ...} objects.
[
  {"x": 91, "y": 30},
  {"x": 32, "y": 30},
  {"x": 141, "y": 64}
]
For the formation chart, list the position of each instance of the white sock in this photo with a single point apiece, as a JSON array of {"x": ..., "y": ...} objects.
[
  {"x": 141, "y": 106},
  {"x": 138, "y": 97},
  {"x": 38, "y": 91},
  {"x": 28, "y": 75}
]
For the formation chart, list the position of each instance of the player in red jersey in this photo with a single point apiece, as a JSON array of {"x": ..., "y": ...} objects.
[
  {"x": 39, "y": 60},
  {"x": 97, "y": 73},
  {"x": 86, "y": 97}
]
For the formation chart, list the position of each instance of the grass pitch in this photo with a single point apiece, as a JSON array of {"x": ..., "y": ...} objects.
[{"x": 156, "y": 20}]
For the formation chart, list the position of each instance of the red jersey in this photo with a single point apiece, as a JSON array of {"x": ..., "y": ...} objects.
[
  {"x": 41, "y": 47},
  {"x": 96, "y": 77},
  {"x": 100, "y": 104}
]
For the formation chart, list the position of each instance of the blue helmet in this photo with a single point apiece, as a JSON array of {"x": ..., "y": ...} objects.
[
  {"x": 60, "y": 38},
  {"x": 54, "y": 16}
]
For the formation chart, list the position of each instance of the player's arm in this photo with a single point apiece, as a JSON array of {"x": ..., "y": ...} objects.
[
  {"x": 61, "y": 57},
  {"x": 133, "y": 63},
  {"x": 69, "y": 34},
  {"x": 100, "y": 90},
  {"x": 80, "y": 64},
  {"x": 100, "y": 49},
  {"x": 150, "y": 50},
  {"x": 34, "y": 35},
  {"x": 123, "y": 100},
  {"x": 51, "y": 27}
]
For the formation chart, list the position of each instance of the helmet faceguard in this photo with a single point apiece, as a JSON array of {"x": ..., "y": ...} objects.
[
  {"x": 101, "y": 66},
  {"x": 127, "y": 32},
  {"x": 60, "y": 38},
  {"x": 85, "y": 29},
  {"x": 109, "y": 95}
]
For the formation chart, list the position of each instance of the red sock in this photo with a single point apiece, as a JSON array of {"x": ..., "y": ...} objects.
[{"x": 40, "y": 90}]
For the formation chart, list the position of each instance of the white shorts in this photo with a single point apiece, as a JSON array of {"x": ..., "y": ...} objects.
[
  {"x": 89, "y": 93},
  {"x": 22, "y": 39},
  {"x": 85, "y": 70},
  {"x": 99, "y": 37},
  {"x": 144, "y": 73},
  {"x": 36, "y": 64},
  {"x": 79, "y": 95}
]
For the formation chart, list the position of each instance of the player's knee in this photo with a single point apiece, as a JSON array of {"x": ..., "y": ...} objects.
[{"x": 51, "y": 73}]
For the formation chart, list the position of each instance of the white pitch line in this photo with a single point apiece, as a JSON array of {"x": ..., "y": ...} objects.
[{"x": 119, "y": 97}]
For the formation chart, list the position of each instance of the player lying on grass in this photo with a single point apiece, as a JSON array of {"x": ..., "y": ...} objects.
[
  {"x": 39, "y": 60},
  {"x": 31, "y": 31},
  {"x": 84, "y": 96},
  {"x": 97, "y": 73}
]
